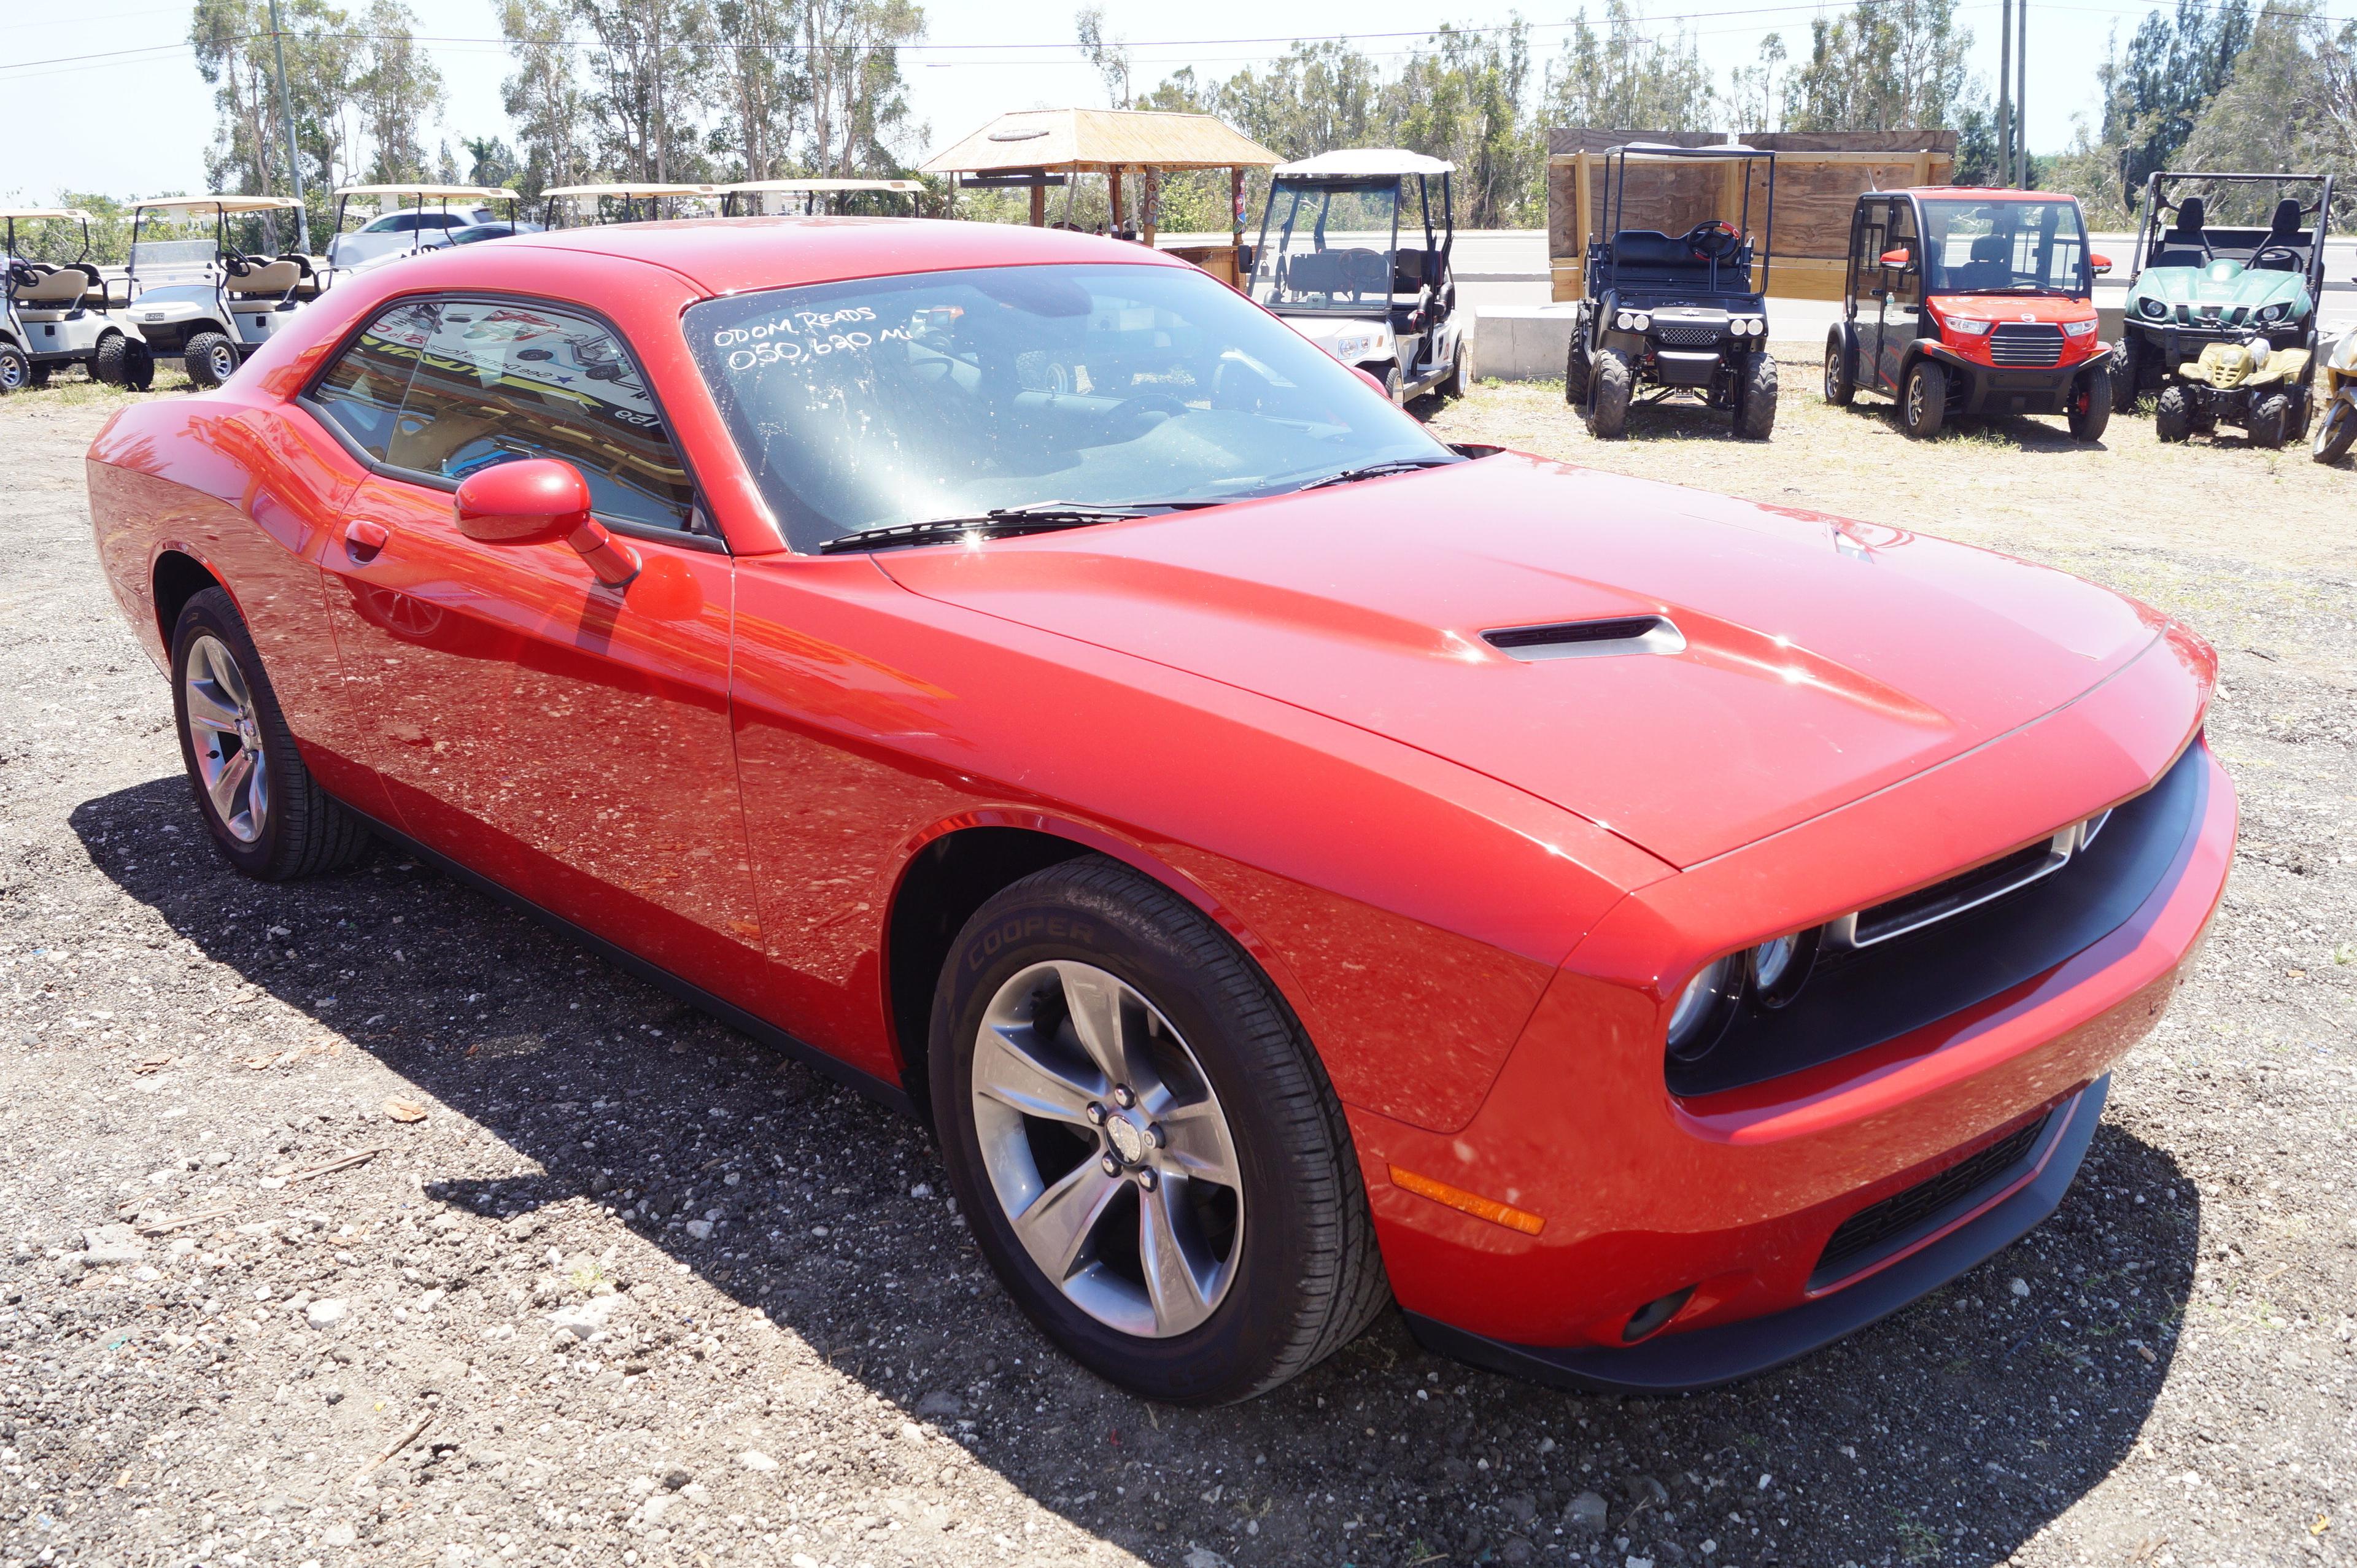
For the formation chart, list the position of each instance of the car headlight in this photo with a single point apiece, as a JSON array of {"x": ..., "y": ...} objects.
[
  {"x": 2152, "y": 308},
  {"x": 1626, "y": 320},
  {"x": 2078, "y": 328},
  {"x": 1360, "y": 346},
  {"x": 2274, "y": 312},
  {"x": 1642, "y": 322},
  {"x": 1703, "y": 1008},
  {"x": 1781, "y": 966},
  {"x": 1968, "y": 327}
]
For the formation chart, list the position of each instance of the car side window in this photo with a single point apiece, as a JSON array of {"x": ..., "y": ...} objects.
[
  {"x": 1873, "y": 221},
  {"x": 500, "y": 380},
  {"x": 1907, "y": 287},
  {"x": 361, "y": 392}
]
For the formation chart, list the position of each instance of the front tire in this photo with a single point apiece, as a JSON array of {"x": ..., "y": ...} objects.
[
  {"x": 2172, "y": 414},
  {"x": 1148, "y": 1151},
  {"x": 2091, "y": 404},
  {"x": 259, "y": 801},
  {"x": 112, "y": 363},
  {"x": 1841, "y": 368},
  {"x": 1616, "y": 383},
  {"x": 2337, "y": 432},
  {"x": 1459, "y": 380},
  {"x": 1578, "y": 370},
  {"x": 2271, "y": 421},
  {"x": 1755, "y": 397},
  {"x": 2128, "y": 377},
  {"x": 1923, "y": 401},
  {"x": 210, "y": 358},
  {"x": 16, "y": 371}
]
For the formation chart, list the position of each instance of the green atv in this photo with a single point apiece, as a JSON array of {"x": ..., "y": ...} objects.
[{"x": 2221, "y": 322}]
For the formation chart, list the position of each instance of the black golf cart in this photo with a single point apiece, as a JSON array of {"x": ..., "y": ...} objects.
[{"x": 1678, "y": 313}]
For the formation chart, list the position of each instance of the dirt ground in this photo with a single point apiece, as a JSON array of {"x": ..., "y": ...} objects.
[{"x": 360, "y": 1221}]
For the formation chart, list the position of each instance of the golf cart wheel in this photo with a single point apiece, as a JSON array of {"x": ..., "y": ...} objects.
[
  {"x": 1616, "y": 383},
  {"x": 112, "y": 363},
  {"x": 2172, "y": 414},
  {"x": 210, "y": 358},
  {"x": 1394, "y": 385},
  {"x": 1755, "y": 397},
  {"x": 269, "y": 816},
  {"x": 16, "y": 371},
  {"x": 1578, "y": 371},
  {"x": 1923, "y": 403},
  {"x": 2337, "y": 433},
  {"x": 2091, "y": 404},
  {"x": 1143, "y": 1141},
  {"x": 39, "y": 375},
  {"x": 138, "y": 365},
  {"x": 1459, "y": 379},
  {"x": 2271, "y": 421},
  {"x": 2127, "y": 373},
  {"x": 1841, "y": 368}
]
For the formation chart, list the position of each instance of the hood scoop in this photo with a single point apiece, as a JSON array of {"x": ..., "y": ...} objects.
[{"x": 1588, "y": 639}]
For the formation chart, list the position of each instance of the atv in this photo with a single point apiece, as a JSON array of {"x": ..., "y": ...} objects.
[
  {"x": 2336, "y": 432},
  {"x": 207, "y": 287},
  {"x": 1964, "y": 302},
  {"x": 57, "y": 313},
  {"x": 1332, "y": 262},
  {"x": 2250, "y": 291},
  {"x": 1680, "y": 314}
]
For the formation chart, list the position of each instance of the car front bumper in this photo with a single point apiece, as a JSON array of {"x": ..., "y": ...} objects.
[{"x": 2000, "y": 388}]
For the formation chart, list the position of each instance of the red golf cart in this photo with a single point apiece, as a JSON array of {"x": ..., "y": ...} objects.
[{"x": 1963, "y": 302}]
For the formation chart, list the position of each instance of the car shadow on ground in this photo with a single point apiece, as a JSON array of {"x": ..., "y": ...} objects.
[
  {"x": 2021, "y": 432},
  {"x": 1950, "y": 1432}
]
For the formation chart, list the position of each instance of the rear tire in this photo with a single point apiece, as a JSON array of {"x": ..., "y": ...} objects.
[
  {"x": 16, "y": 371},
  {"x": 2172, "y": 414},
  {"x": 1755, "y": 397},
  {"x": 112, "y": 363},
  {"x": 40, "y": 374},
  {"x": 1578, "y": 370},
  {"x": 2271, "y": 421},
  {"x": 1923, "y": 401},
  {"x": 2128, "y": 375},
  {"x": 1191, "y": 1062},
  {"x": 1841, "y": 368},
  {"x": 210, "y": 360},
  {"x": 2337, "y": 433},
  {"x": 2091, "y": 404},
  {"x": 259, "y": 801},
  {"x": 1616, "y": 383}
]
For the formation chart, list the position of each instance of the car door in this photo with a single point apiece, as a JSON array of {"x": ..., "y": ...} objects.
[
  {"x": 568, "y": 739},
  {"x": 1902, "y": 295}
]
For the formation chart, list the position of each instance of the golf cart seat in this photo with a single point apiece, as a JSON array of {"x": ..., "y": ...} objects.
[
  {"x": 1990, "y": 267},
  {"x": 265, "y": 276},
  {"x": 54, "y": 288},
  {"x": 2185, "y": 245},
  {"x": 2283, "y": 229},
  {"x": 1650, "y": 248},
  {"x": 307, "y": 282},
  {"x": 1336, "y": 272}
]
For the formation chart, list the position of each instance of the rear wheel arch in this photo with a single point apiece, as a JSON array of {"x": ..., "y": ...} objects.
[{"x": 177, "y": 578}]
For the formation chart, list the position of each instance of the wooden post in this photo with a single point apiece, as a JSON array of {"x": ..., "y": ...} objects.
[
  {"x": 1040, "y": 202},
  {"x": 1149, "y": 202},
  {"x": 1585, "y": 209},
  {"x": 1113, "y": 192}
]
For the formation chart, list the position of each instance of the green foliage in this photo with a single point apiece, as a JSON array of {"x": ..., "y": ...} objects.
[
  {"x": 1633, "y": 77},
  {"x": 1888, "y": 65}
]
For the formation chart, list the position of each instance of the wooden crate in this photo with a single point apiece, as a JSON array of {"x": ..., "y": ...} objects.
[{"x": 1819, "y": 177}]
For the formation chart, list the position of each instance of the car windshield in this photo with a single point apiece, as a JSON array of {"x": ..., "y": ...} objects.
[
  {"x": 1991, "y": 247},
  {"x": 889, "y": 401},
  {"x": 1327, "y": 246}
]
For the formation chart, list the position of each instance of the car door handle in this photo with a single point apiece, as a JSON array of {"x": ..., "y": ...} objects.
[{"x": 363, "y": 540}]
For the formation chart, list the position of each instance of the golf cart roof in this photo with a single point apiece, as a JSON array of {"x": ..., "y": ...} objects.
[
  {"x": 1971, "y": 193},
  {"x": 35, "y": 214},
  {"x": 634, "y": 189},
  {"x": 1363, "y": 163},
  {"x": 1716, "y": 150},
  {"x": 825, "y": 186},
  {"x": 1090, "y": 141},
  {"x": 216, "y": 203},
  {"x": 431, "y": 192}
]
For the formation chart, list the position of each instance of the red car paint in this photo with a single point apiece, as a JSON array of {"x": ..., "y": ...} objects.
[{"x": 1481, "y": 883}]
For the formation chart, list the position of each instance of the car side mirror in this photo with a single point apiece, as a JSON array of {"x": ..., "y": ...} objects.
[
  {"x": 2101, "y": 264},
  {"x": 539, "y": 500},
  {"x": 1898, "y": 259}
]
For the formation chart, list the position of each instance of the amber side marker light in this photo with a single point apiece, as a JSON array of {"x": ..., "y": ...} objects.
[{"x": 1472, "y": 1203}]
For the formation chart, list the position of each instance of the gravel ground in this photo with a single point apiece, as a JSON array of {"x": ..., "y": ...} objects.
[{"x": 359, "y": 1220}]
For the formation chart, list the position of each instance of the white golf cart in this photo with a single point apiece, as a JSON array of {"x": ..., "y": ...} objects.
[
  {"x": 208, "y": 280},
  {"x": 57, "y": 312},
  {"x": 1332, "y": 260},
  {"x": 786, "y": 198},
  {"x": 582, "y": 206},
  {"x": 396, "y": 221}
]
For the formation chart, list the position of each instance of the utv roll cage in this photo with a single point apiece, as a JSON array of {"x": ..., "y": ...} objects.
[
  {"x": 2192, "y": 242},
  {"x": 1649, "y": 261}
]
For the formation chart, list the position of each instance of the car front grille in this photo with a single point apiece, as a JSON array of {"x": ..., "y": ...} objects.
[
  {"x": 2026, "y": 346},
  {"x": 1688, "y": 337},
  {"x": 1903, "y": 1217}
]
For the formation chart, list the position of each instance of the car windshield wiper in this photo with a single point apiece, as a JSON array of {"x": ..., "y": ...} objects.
[
  {"x": 1377, "y": 470},
  {"x": 1000, "y": 522}
]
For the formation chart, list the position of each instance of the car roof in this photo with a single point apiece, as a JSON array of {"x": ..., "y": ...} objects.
[
  {"x": 1977, "y": 193},
  {"x": 729, "y": 255}
]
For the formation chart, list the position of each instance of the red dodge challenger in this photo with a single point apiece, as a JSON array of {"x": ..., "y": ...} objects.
[{"x": 1291, "y": 862}]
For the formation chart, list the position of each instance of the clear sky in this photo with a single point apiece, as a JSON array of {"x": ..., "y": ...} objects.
[{"x": 138, "y": 123}]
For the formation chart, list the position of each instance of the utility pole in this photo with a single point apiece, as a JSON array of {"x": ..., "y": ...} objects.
[
  {"x": 660, "y": 138},
  {"x": 2005, "y": 92},
  {"x": 287, "y": 118},
  {"x": 2021, "y": 93}
]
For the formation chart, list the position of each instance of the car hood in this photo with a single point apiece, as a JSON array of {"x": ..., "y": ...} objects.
[
  {"x": 2054, "y": 309},
  {"x": 2222, "y": 283},
  {"x": 1822, "y": 660}
]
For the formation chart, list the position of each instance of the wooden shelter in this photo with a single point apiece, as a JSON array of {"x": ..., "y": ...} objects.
[
  {"x": 1819, "y": 177},
  {"x": 1036, "y": 149}
]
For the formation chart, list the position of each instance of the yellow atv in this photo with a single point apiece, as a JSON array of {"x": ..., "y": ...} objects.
[{"x": 2263, "y": 390}]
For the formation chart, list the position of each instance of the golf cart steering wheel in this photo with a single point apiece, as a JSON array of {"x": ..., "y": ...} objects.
[
  {"x": 1714, "y": 240},
  {"x": 2274, "y": 252},
  {"x": 237, "y": 266},
  {"x": 22, "y": 274}
]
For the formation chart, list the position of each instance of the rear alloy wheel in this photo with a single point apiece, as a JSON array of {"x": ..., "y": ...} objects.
[
  {"x": 1924, "y": 404},
  {"x": 258, "y": 800},
  {"x": 2337, "y": 432},
  {"x": 1616, "y": 383},
  {"x": 2172, "y": 414},
  {"x": 16, "y": 371},
  {"x": 1841, "y": 371},
  {"x": 2270, "y": 423},
  {"x": 1144, "y": 1141},
  {"x": 2091, "y": 404},
  {"x": 210, "y": 360},
  {"x": 1755, "y": 397}
]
